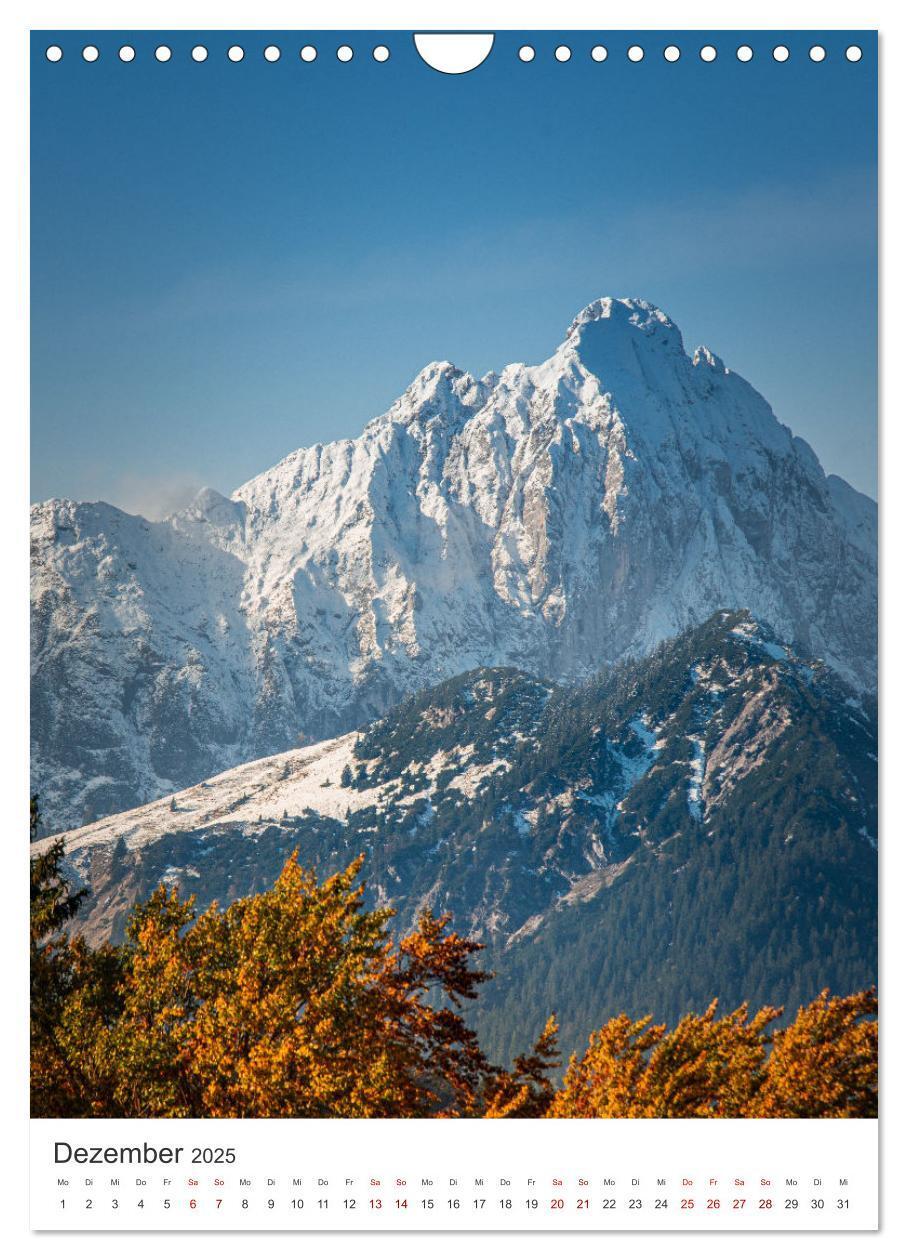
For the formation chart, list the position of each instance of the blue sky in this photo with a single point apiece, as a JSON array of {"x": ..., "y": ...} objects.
[{"x": 230, "y": 261}]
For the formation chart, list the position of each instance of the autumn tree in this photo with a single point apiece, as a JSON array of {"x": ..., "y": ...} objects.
[
  {"x": 825, "y": 1062},
  {"x": 526, "y": 1090},
  {"x": 706, "y": 1066},
  {"x": 292, "y": 1002},
  {"x": 297, "y": 1001}
]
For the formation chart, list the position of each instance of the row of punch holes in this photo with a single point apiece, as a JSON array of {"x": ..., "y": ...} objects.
[{"x": 526, "y": 53}]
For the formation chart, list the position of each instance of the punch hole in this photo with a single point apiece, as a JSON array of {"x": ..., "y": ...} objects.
[
  {"x": 818, "y": 53},
  {"x": 599, "y": 52},
  {"x": 780, "y": 53},
  {"x": 853, "y": 53},
  {"x": 272, "y": 53},
  {"x": 745, "y": 53},
  {"x": 672, "y": 53},
  {"x": 54, "y": 53},
  {"x": 562, "y": 53},
  {"x": 635, "y": 53},
  {"x": 345, "y": 53},
  {"x": 235, "y": 53},
  {"x": 526, "y": 53},
  {"x": 308, "y": 53},
  {"x": 162, "y": 53},
  {"x": 90, "y": 53},
  {"x": 199, "y": 53},
  {"x": 381, "y": 53},
  {"x": 127, "y": 53},
  {"x": 708, "y": 53},
  {"x": 453, "y": 53}
]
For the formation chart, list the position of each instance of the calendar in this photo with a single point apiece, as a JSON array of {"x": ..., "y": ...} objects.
[
  {"x": 454, "y": 591},
  {"x": 301, "y": 1175}
]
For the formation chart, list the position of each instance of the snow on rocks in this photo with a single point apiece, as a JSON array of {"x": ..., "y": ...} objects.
[{"x": 552, "y": 517}]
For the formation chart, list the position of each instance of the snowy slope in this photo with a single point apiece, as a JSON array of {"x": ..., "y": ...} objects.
[
  {"x": 552, "y": 518},
  {"x": 504, "y": 800}
]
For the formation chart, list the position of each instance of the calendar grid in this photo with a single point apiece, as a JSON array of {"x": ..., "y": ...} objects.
[{"x": 441, "y": 1175}]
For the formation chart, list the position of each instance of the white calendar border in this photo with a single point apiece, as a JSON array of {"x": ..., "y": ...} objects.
[{"x": 468, "y": 14}]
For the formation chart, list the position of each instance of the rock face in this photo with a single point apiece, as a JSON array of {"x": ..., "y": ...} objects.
[
  {"x": 695, "y": 820},
  {"x": 552, "y": 518}
]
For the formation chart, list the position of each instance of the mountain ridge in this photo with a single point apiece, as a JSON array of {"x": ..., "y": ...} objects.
[
  {"x": 725, "y": 778},
  {"x": 556, "y": 518}
]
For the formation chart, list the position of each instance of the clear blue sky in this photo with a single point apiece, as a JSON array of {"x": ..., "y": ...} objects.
[{"x": 230, "y": 261}]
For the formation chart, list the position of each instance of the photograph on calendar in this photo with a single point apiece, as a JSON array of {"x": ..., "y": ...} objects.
[{"x": 453, "y": 577}]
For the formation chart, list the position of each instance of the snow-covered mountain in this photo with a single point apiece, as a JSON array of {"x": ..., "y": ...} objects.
[
  {"x": 552, "y": 518},
  {"x": 710, "y": 807}
]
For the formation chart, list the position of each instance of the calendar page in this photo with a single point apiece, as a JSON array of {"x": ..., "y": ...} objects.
[{"x": 454, "y": 630}]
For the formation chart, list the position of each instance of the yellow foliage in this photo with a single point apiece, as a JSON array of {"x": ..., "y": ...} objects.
[
  {"x": 297, "y": 1002},
  {"x": 823, "y": 1064},
  {"x": 292, "y": 1002}
]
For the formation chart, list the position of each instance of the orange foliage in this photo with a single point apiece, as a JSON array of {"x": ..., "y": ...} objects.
[
  {"x": 297, "y": 1002},
  {"x": 823, "y": 1064},
  {"x": 292, "y": 1002}
]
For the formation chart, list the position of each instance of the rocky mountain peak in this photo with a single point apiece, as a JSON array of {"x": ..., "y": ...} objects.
[
  {"x": 556, "y": 518},
  {"x": 615, "y": 336},
  {"x": 621, "y": 315}
]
